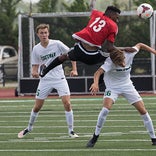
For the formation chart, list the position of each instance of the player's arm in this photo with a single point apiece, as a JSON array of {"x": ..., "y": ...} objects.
[
  {"x": 127, "y": 49},
  {"x": 95, "y": 85},
  {"x": 74, "y": 69},
  {"x": 92, "y": 4},
  {"x": 34, "y": 71},
  {"x": 145, "y": 47}
]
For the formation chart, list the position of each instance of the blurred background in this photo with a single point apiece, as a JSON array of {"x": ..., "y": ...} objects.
[{"x": 131, "y": 31}]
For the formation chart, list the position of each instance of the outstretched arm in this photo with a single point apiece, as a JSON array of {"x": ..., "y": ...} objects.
[
  {"x": 139, "y": 46},
  {"x": 145, "y": 47},
  {"x": 95, "y": 86}
]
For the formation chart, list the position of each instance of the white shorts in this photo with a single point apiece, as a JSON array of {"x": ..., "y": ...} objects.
[
  {"x": 129, "y": 92},
  {"x": 46, "y": 86}
]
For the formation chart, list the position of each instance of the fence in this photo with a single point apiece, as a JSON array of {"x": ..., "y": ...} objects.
[{"x": 67, "y": 23}]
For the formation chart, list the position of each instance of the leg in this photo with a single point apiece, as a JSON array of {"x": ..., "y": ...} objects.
[
  {"x": 69, "y": 115},
  {"x": 34, "y": 113},
  {"x": 146, "y": 119},
  {"x": 107, "y": 104},
  {"x": 57, "y": 61}
]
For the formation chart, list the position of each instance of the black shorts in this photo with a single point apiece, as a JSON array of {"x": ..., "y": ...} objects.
[{"x": 78, "y": 53}]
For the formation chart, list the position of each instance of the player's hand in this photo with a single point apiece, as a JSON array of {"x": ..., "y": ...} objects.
[
  {"x": 35, "y": 75},
  {"x": 73, "y": 73},
  {"x": 42, "y": 72},
  {"x": 94, "y": 89}
]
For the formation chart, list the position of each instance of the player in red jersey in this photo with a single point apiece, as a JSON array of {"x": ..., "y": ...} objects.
[{"x": 88, "y": 48}]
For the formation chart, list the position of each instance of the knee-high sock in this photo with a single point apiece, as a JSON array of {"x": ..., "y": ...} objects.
[
  {"x": 148, "y": 124},
  {"x": 101, "y": 120},
  {"x": 32, "y": 119},
  {"x": 53, "y": 64},
  {"x": 70, "y": 120}
]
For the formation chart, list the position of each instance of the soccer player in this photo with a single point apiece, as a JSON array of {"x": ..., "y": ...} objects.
[
  {"x": 89, "y": 41},
  {"x": 42, "y": 52},
  {"x": 118, "y": 82}
]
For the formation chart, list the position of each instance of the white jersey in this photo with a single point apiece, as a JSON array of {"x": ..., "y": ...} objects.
[
  {"x": 116, "y": 76},
  {"x": 42, "y": 55}
]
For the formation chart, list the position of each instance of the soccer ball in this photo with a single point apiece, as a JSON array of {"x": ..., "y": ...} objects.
[{"x": 145, "y": 10}]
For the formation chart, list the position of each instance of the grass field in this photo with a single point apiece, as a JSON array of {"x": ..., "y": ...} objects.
[{"x": 122, "y": 135}]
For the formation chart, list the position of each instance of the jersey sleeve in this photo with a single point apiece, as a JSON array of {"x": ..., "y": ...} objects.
[
  {"x": 62, "y": 47},
  {"x": 107, "y": 66},
  {"x": 137, "y": 50},
  {"x": 113, "y": 33},
  {"x": 34, "y": 57},
  {"x": 94, "y": 12}
]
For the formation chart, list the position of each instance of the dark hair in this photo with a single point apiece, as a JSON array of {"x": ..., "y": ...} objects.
[{"x": 112, "y": 9}]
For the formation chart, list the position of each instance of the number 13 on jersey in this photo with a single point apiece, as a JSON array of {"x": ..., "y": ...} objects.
[{"x": 98, "y": 24}]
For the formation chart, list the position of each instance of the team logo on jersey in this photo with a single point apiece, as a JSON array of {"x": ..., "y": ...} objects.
[
  {"x": 48, "y": 56},
  {"x": 124, "y": 69}
]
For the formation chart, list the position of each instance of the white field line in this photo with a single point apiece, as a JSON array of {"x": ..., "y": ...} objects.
[
  {"x": 84, "y": 134},
  {"x": 58, "y": 127},
  {"x": 77, "y": 121},
  {"x": 58, "y": 115},
  {"x": 54, "y": 114},
  {"x": 61, "y": 140},
  {"x": 85, "y": 105},
  {"x": 75, "y": 115},
  {"x": 46, "y": 139},
  {"x": 76, "y": 150},
  {"x": 72, "y": 99}
]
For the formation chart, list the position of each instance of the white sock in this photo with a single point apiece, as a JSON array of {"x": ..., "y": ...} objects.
[
  {"x": 32, "y": 119},
  {"x": 101, "y": 120},
  {"x": 148, "y": 124},
  {"x": 69, "y": 120}
]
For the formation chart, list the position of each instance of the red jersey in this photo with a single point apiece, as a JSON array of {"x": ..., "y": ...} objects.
[{"x": 99, "y": 29}]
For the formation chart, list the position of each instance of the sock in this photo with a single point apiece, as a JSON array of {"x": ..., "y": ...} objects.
[
  {"x": 70, "y": 120},
  {"x": 148, "y": 124},
  {"x": 101, "y": 120},
  {"x": 32, "y": 119},
  {"x": 52, "y": 65}
]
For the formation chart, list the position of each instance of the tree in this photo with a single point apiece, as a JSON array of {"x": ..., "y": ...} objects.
[
  {"x": 132, "y": 29},
  {"x": 63, "y": 27},
  {"x": 8, "y": 29},
  {"x": 47, "y": 6}
]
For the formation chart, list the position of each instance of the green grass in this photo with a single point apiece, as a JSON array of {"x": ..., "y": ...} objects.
[{"x": 122, "y": 135}]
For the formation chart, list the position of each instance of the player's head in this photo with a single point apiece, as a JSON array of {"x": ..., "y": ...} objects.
[
  {"x": 118, "y": 58},
  {"x": 42, "y": 31},
  {"x": 113, "y": 13},
  {"x": 42, "y": 26}
]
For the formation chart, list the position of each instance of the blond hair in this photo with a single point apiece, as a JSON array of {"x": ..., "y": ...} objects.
[
  {"x": 117, "y": 57},
  {"x": 42, "y": 26}
]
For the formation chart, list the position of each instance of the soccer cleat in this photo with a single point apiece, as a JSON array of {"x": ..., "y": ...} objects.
[
  {"x": 42, "y": 70},
  {"x": 73, "y": 135},
  {"x": 92, "y": 141},
  {"x": 23, "y": 133},
  {"x": 153, "y": 141}
]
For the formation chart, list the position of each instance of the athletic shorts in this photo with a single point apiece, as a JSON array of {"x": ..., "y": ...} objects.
[
  {"x": 45, "y": 87},
  {"x": 78, "y": 53},
  {"x": 129, "y": 93}
]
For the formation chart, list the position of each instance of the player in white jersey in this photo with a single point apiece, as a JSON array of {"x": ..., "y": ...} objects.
[
  {"x": 117, "y": 81},
  {"x": 44, "y": 51}
]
